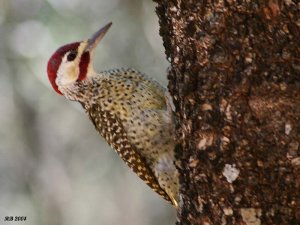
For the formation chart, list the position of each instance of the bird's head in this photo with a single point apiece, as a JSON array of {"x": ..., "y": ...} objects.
[{"x": 73, "y": 62}]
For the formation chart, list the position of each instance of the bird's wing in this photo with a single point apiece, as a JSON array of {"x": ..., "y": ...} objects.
[
  {"x": 152, "y": 84},
  {"x": 136, "y": 76},
  {"x": 113, "y": 131}
]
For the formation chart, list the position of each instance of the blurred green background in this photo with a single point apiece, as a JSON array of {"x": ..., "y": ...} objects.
[{"x": 54, "y": 167}]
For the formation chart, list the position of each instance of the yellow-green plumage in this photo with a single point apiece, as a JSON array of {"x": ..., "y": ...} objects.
[{"x": 130, "y": 111}]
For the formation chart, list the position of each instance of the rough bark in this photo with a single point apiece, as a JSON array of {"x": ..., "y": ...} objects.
[{"x": 235, "y": 80}]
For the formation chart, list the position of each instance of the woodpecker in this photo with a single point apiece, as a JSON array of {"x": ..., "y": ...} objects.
[{"x": 129, "y": 110}]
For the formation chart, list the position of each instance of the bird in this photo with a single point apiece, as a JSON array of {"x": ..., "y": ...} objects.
[{"x": 131, "y": 111}]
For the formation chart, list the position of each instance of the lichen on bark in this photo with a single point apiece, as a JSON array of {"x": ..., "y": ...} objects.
[{"x": 235, "y": 80}]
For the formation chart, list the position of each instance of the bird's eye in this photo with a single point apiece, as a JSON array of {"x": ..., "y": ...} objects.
[{"x": 72, "y": 55}]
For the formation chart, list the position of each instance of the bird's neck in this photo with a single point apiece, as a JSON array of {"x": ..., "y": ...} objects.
[{"x": 84, "y": 91}]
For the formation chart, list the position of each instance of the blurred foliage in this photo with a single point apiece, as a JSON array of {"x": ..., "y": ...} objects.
[{"x": 54, "y": 167}]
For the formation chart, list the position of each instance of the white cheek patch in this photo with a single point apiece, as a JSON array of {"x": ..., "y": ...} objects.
[{"x": 68, "y": 72}]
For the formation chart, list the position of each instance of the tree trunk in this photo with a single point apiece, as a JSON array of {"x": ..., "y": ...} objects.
[{"x": 235, "y": 81}]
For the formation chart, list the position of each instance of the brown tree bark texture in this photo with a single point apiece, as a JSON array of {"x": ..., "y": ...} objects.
[{"x": 235, "y": 80}]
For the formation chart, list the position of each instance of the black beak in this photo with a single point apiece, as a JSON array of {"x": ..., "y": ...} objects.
[{"x": 96, "y": 38}]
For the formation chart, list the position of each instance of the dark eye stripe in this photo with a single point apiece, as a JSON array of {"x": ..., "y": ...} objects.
[{"x": 72, "y": 55}]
